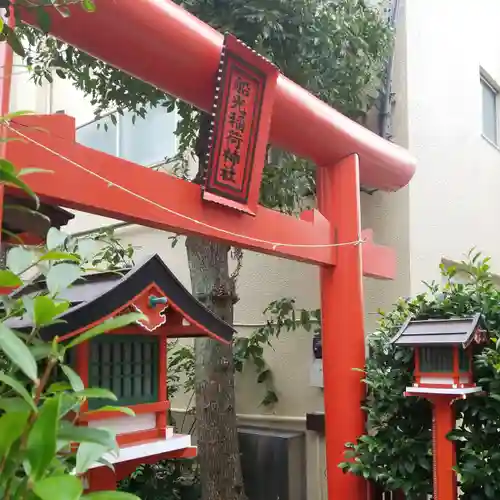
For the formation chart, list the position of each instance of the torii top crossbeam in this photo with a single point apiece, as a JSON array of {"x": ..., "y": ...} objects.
[{"x": 161, "y": 43}]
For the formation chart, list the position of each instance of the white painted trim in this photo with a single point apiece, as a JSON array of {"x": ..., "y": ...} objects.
[
  {"x": 443, "y": 390},
  {"x": 126, "y": 424},
  {"x": 150, "y": 448}
]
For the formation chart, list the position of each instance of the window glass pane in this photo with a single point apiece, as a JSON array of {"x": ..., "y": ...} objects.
[
  {"x": 150, "y": 140},
  {"x": 489, "y": 112},
  {"x": 99, "y": 138}
]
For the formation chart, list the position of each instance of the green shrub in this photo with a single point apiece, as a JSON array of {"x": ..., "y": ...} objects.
[{"x": 396, "y": 451}]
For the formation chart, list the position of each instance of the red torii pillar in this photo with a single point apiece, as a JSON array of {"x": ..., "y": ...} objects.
[{"x": 159, "y": 42}]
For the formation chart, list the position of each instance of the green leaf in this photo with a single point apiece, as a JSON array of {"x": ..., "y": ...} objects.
[
  {"x": 81, "y": 434},
  {"x": 118, "y": 409},
  {"x": 9, "y": 279},
  {"x": 88, "y": 5},
  {"x": 13, "y": 40},
  {"x": 59, "y": 488},
  {"x": 107, "y": 326},
  {"x": 12, "y": 426},
  {"x": 46, "y": 309},
  {"x": 19, "y": 259},
  {"x": 55, "y": 238},
  {"x": 87, "y": 455},
  {"x": 110, "y": 495},
  {"x": 57, "y": 255},
  {"x": 73, "y": 377},
  {"x": 18, "y": 387},
  {"x": 42, "y": 440},
  {"x": 96, "y": 393},
  {"x": 28, "y": 171},
  {"x": 8, "y": 176},
  {"x": 17, "y": 351},
  {"x": 15, "y": 404},
  {"x": 43, "y": 19},
  {"x": 88, "y": 248},
  {"x": 61, "y": 276}
]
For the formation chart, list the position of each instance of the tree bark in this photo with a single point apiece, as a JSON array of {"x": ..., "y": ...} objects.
[
  {"x": 218, "y": 449},
  {"x": 216, "y": 426}
]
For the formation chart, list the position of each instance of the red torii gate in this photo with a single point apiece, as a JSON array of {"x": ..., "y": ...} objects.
[{"x": 160, "y": 43}]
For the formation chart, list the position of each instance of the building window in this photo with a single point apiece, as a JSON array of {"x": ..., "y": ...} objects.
[
  {"x": 127, "y": 365},
  {"x": 146, "y": 141},
  {"x": 490, "y": 111}
]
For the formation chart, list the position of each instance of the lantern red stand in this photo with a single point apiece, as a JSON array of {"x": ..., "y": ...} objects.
[
  {"x": 443, "y": 373},
  {"x": 179, "y": 54}
]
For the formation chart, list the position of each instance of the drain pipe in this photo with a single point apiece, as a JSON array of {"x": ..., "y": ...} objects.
[{"x": 386, "y": 98}]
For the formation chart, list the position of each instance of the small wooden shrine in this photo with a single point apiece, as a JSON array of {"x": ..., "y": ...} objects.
[
  {"x": 444, "y": 350},
  {"x": 131, "y": 361},
  {"x": 443, "y": 353}
]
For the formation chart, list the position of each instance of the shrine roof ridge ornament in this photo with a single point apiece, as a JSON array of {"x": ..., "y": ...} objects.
[
  {"x": 97, "y": 296},
  {"x": 441, "y": 331}
]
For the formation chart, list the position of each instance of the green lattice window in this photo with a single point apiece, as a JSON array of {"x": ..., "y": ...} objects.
[
  {"x": 127, "y": 365},
  {"x": 436, "y": 359},
  {"x": 463, "y": 361}
]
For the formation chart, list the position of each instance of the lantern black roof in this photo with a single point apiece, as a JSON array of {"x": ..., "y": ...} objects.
[
  {"x": 98, "y": 295},
  {"x": 434, "y": 332}
]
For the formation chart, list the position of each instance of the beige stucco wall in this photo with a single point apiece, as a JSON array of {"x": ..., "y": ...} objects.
[{"x": 454, "y": 196}]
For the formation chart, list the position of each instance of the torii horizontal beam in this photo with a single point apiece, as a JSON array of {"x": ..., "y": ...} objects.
[
  {"x": 54, "y": 148},
  {"x": 161, "y": 43}
]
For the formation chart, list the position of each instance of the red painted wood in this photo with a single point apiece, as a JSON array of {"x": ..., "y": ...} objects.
[
  {"x": 342, "y": 325},
  {"x": 6, "y": 65},
  {"x": 183, "y": 197},
  {"x": 445, "y": 478},
  {"x": 160, "y": 406},
  {"x": 183, "y": 60},
  {"x": 101, "y": 479},
  {"x": 161, "y": 416}
]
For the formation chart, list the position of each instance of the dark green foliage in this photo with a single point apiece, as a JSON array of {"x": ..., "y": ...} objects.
[
  {"x": 166, "y": 480},
  {"x": 396, "y": 451}
]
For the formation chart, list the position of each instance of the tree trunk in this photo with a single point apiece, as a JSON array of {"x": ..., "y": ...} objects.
[
  {"x": 218, "y": 449},
  {"x": 211, "y": 283}
]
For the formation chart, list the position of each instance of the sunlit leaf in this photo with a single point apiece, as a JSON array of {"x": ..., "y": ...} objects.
[
  {"x": 17, "y": 351},
  {"x": 57, "y": 255},
  {"x": 73, "y": 377},
  {"x": 9, "y": 279},
  {"x": 46, "y": 309},
  {"x": 118, "y": 409},
  {"x": 110, "y": 495},
  {"x": 55, "y": 238},
  {"x": 61, "y": 276},
  {"x": 19, "y": 259},
  {"x": 97, "y": 393},
  {"x": 107, "y": 326}
]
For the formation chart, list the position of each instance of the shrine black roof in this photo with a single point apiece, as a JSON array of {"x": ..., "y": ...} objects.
[
  {"x": 98, "y": 295},
  {"x": 428, "y": 332}
]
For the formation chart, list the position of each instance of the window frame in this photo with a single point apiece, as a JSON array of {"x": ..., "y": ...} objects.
[{"x": 487, "y": 81}]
